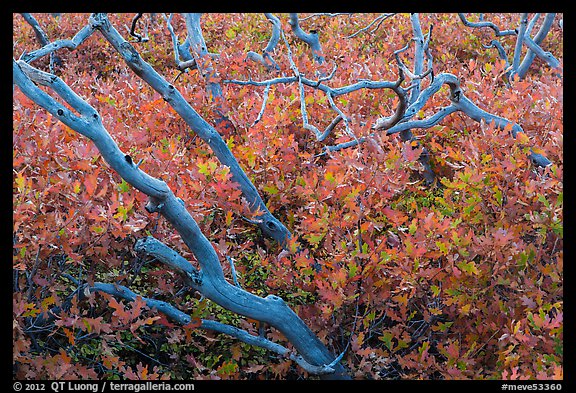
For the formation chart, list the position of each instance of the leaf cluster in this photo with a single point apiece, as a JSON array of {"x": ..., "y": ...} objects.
[{"x": 459, "y": 280}]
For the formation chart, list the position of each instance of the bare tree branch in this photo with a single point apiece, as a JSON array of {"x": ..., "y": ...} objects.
[
  {"x": 303, "y": 111},
  {"x": 182, "y": 57},
  {"x": 458, "y": 103},
  {"x": 183, "y": 319},
  {"x": 519, "y": 39},
  {"x": 490, "y": 25},
  {"x": 378, "y": 20},
  {"x": 206, "y": 67},
  {"x": 269, "y": 224},
  {"x": 331, "y": 15},
  {"x": 266, "y": 58},
  {"x": 541, "y": 53},
  {"x": 77, "y": 40},
  {"x": 310, "y": 38},
  {"x": 538, "y": 38},
  {"x": 264, "y": 101},
  {"x": 210, "y": 280},
  {"x": 139, "y": 38},
  {"x": 518, "y": 67},
  {"x": 42, "y": 39}
]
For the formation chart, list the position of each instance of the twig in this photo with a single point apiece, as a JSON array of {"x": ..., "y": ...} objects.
[
  {"x": 43, "y": 39},
  {"x": 233, "y": 271},
  {"x": 519, "y": 40},
  {"x": 78, "y": 39},
  {"x": 266, "y": 90},
  {"x": 303, "y": 111},
  {"x": 490, "y": 25},
  {"x": 189, "y": 61},
  {"x": 486, "y": 342},
  {"x": 378, "y": 20},
  {"x": 32, "y": 273},
  {"x": 331, "y": 15},
  {"x": 132, "y": 31}
]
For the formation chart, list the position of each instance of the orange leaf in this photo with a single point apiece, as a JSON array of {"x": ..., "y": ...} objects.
[
  {"x": 91, "y": 181},
  {"x": 522, "y": 138}
]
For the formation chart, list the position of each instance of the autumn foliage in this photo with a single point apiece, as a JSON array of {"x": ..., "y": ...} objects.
[{"x": 460, "y": 279}]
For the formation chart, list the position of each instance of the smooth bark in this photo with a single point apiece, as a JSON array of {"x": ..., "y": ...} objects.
[
  {"x": 269, "y": 224},
  {"x": 209, "y": 280}
]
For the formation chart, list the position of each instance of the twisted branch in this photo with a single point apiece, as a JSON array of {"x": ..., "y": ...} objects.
[{"x": 209, "y": 280}]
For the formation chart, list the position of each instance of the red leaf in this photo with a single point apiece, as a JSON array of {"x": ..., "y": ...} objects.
[
  {"x": 119, "y": 311},
  {"x": 409, "y": 153},
  {"x": 91, "y": 181},
  {"x": 396, "y": 217}
]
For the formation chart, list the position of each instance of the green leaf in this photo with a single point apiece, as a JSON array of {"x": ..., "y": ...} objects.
[
  {"x": 542, "y": 198},
  {"x": 87, "y": 325},
  {"x": 272, "y": 190},
  {"x": 352, "y": 269},
  {"x": 207, "y": 168},
  {"x": 465, "y": 177},
  {"x": 425, "y": 345},
  {"x": 31, "y": 310},
  {"x": 330, "y": 177},
  {"x": 412, "y": 227},
  {"x": 560, "y": 199},
  {"x": 122, "y": 213},
  {"x": 386, "y": 338},
  {"x": 498, "y": 195},
  {"x": 314, "y": 239},
  {"x": 124, "y": 186},
  {"x": 230, "y": 142},
  {"x": 230, "y": 33},
  {"x": 442, "y": 247},
  {"x": 468, "y": 267},
  {"x": 97, "y": 229},
  {"x": 443, "y": 326}
]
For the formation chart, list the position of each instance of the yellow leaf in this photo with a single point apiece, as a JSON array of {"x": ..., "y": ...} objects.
[
  {"x": 516, "y": 327},
  {"x": 522, "y": 138},
  {"x": 20, "y": 182},
  {"x": 47, "y": 302},
  {"x": 228, "y": 218}
]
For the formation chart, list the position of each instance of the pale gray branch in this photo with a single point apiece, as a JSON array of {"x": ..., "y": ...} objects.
[
  {"x": 377, "y": 21},
  {"x": 266, "y": 57},
  {"x": 209, "y": 280},
  {"x": 538, "y": 38},
  {"x": 310, "y": 38},
  {"x": 264, "y": 101},
  {"x": 460, "y": 103},
  {"x": 78, "y": 39},
  {"x": 184, "y": 319},
  {"x": 519, "y": 40},
  {"x": 490, "y": 25},
  {"x": 269, "y": 224}
]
